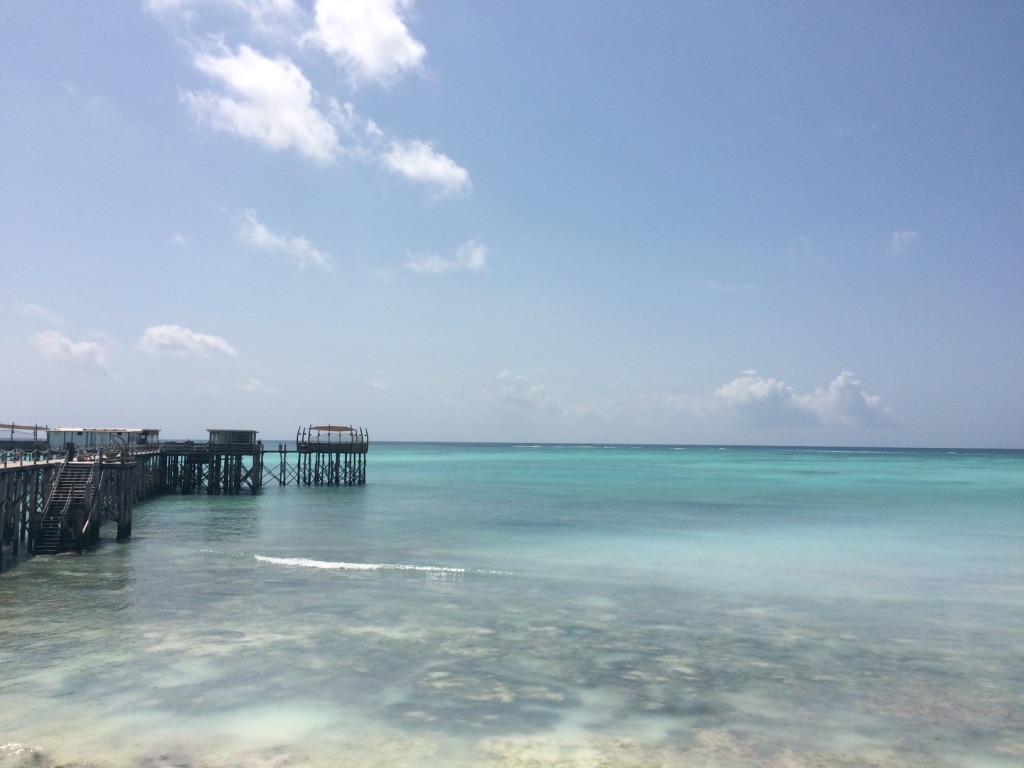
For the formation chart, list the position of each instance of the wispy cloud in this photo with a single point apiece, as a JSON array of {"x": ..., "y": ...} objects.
[
  {"x": 379, "y": 381},
  {"x": 515, "y": 391},
  {"x": 803, "y": 248},
  {"x": 265, "y": 17},
  {"x": 769, "y": 402},
  {"x": 255, "y": 387},
  {"x": 368, "y": 38},
  {"x": 469, "y": 257},
  {"x": 28, "y": 309},
  {"x": 268, "y": 100},
  {"x": 528, "y": 399},
  {"x": 174, "y": 339},
  {"x": 299, "y": 249},
  {"x": 58, "y": 348},
  {"x": 418, "y": 161},
  {"x": 902, "y": 241}
]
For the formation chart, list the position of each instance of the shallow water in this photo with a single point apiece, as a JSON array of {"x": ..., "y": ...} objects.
[{"x": 541, "y": 606}]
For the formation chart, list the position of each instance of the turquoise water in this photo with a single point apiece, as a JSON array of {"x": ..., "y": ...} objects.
[{"x": 478, "y": 605}]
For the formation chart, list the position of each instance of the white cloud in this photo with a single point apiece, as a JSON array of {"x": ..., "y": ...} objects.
[
  {"x": 256, "y": 387},
  {"x": 267, "y": 97},
  {"x": 469, "y": 257},
  {"x": 160, "y": 6},
  {"x": 269, "y": 101},
  {"x": 845, "y": 402},
  {"x": 267, "y": 17},
  {"x": 414, "y": 159},
  {"x": 175, "y": 339},
  {"x": 902, "y": 241},
  {"x": 526, "y": 398},
  {"x": 368, "y": 38},
  {"x": 417, "y": 161},
  {"x": 379, "y": 381},
  {"x": 28, "y": 309},
  {"x": 772, "y": 403},
  {"x": 58, "y": 348},
  {"x": 764, "y": 402},
  {"x": 300, "y": 249},
  {"x": 516, "y": 392}
]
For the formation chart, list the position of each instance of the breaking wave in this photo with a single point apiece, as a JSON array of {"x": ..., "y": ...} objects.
[{"x": 330, "y": 565}]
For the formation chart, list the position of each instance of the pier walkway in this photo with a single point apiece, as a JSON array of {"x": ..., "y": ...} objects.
[{"x": 54, "y": 501}]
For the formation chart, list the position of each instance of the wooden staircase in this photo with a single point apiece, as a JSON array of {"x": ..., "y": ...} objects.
[{"x": 71, "y": 486}]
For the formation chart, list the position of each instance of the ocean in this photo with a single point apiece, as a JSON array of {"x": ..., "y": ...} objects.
[{"x": 541, "y": 605}]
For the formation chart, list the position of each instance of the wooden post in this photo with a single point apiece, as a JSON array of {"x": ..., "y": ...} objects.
[
  {"x": 78, "y": 528},
  {"x": 3, "y": 519},
  {"x": 124, "y": 503}
]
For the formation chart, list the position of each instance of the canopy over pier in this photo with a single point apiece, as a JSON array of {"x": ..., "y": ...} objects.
[{"x": 329, "y": 455}]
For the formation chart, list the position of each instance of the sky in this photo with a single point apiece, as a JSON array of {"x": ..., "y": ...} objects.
[{"x": 784, "y": 223}]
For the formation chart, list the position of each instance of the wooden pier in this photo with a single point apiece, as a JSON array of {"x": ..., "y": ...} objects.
[
  {"x": 56, "y": 503},
  {"x": 211, "y": 469},
  {"x": 24, "y": 479},
  {"x": 55, "y": 500},
  {"x": 325, "y": 455}
]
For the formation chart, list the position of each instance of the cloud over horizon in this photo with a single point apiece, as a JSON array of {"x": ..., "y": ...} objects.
[
  {"x": 769, "y": 402},
  {"x": 514, "y": 391},
  {"x": 177, "y": 340}
]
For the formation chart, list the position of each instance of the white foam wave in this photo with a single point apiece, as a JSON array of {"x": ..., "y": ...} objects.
[{"x": 331, "y": 565}]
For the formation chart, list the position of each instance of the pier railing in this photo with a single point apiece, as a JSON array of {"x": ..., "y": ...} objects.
[
  {"x": 33, "y": 455},
  {"x": 331, "y": 435}
]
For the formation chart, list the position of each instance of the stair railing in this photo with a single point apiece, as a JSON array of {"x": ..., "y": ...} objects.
[
  {"x": 55, "y": 484},
  {"x": 88, "y": 493},
  {"x": 67, "y": 505}
]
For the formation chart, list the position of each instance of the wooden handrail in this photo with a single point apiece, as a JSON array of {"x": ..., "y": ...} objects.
[
  {"x": 88, "y": 486},
  {"x": 54, "y": 483}
]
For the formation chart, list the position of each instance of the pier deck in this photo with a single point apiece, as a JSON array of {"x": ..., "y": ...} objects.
[{"x": 54, "y": 501}]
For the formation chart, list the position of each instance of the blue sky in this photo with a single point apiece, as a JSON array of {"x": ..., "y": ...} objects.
[{"x": 707, "y": 222}]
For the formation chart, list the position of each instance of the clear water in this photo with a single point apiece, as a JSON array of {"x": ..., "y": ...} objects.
[{"x": 541, "y": 606}]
